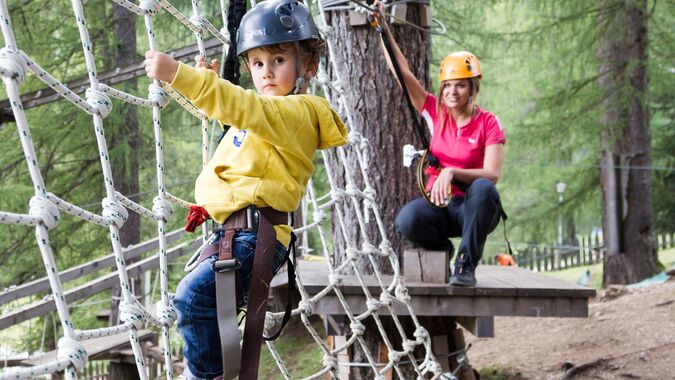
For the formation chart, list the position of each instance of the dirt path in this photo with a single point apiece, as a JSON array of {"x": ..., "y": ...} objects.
[{"x": 631, "y": 336}]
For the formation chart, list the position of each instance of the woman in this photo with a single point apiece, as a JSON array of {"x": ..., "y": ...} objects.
[{"x": 469, "y": 144}]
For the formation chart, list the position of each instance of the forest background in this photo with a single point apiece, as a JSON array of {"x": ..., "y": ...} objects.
[{"x": 540, "y": 63}]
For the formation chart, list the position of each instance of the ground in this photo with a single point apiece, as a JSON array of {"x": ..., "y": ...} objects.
[{"x": 629, "y": 334}]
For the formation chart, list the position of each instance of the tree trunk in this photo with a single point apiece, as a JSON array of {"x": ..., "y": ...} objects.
[
  {"x": 380, "y": 114},
  {"x": 124, "y": 134},
  {"x": 630, "y": 253}
]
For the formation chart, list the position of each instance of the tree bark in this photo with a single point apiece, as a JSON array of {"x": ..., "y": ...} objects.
[
  {"x": 380, "y": 114},
  {"x": 630, "y": 253}
]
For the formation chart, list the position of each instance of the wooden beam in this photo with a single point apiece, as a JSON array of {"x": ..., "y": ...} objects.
[
  {"x": 118, "y": 75},
  {"x": 42, "y": 284},
  {"x": 84, "y": 291},
  {"x": 480, "y": 327}
]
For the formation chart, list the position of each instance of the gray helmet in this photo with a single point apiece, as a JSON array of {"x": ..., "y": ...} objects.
[{"x": 274, "y": 22}]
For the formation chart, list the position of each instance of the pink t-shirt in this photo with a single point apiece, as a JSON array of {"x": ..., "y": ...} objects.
[{"x": 462, "y": 148}]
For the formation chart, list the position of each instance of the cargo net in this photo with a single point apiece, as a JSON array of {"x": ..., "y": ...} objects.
[{"x": 45, "y": 210}]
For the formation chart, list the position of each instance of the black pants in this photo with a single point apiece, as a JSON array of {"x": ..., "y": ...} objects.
[{"x": 472, "y": 217}]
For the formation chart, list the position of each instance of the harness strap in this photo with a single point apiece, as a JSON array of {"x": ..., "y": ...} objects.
[
  {"x": 227, "y": 291},
  {"x": 257, "y": 301}
]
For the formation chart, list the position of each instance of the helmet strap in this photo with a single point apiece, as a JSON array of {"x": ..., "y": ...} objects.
[{"x": 300, "y": 80}]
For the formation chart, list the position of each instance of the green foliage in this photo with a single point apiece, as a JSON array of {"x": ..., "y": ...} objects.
[{"x": 500, "y": 373}]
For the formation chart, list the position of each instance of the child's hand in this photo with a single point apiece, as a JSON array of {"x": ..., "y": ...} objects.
[
  {"x": 160, "y": 66},
  {"x": 201, "y": 62}
]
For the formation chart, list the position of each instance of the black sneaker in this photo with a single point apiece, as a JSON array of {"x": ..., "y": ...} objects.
[{"x": 464, "y": 272}]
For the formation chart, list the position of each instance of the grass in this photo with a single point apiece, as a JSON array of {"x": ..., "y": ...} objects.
[
  {"x": 666, "y": 257},
  {"x": 499, "y": 373},
  {"x": 297, "y": 349}
]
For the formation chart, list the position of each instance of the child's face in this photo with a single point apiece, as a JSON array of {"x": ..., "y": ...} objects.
[{"x": 274, "y": 72}]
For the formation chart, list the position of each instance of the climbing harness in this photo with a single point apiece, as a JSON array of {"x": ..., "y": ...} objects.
[{"x": 243, "y": 361}]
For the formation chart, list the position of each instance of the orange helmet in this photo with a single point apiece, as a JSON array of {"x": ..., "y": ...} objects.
[{"x": 459, "y": 65}]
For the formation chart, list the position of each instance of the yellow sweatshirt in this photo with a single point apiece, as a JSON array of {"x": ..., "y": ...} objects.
[{"x": 265, "y": 159}]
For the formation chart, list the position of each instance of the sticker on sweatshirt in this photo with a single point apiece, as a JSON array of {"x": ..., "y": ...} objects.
[{"x": 239, "y": 138}]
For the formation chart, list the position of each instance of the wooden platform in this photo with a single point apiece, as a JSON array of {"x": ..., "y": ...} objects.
[
  {"x": 500, "y": 291},
  {"x": 97, "y": 348}
]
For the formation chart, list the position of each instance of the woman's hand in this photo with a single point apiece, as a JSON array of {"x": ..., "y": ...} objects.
[
  {"x": 440, "y": 191},
  {"x": 200, "y": 62},
  {"x": 160, "y": 66}
]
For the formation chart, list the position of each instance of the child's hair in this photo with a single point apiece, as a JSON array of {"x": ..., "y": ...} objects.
[
  {"x": 310, "y": 50},
  {"x": 442, "y": 110}
]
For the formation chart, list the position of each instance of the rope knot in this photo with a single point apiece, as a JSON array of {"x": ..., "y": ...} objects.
[
  {"x": 99, "y": 101},
  {"x": 408, "y": 346},
  {"x": 351, "y": 190},
  {"x": 226, "y": 34},
  {"x": 162, "y": 207},
  {"x": 132, "y": 313},
  {"x": 306, "y": 307},
  {"x": 114, "y": 212},
  {"x": 386, "y": 249},
  {"x": 43, "y": 209},
  {"x": 421, "y": 333},
  {"x": 270, "y": 324},
  {"x": 352, "y": 253},
  {"x": 150, "y": 7},
  {"x": 335, "y": 279},
  {"x": 336, "y": 195},
  {"x": 158, "y": 95},
  {"x": 330, "y": 361},
  {"x": 386, "y": 298},
  {"x": 319, "y": 216},
  {"x": 373, "y": 304},
  {"x": 370, "y": 193},
  {"x": 12, "y": 64},
  {"x": 167, "y": 315},
  {"x": 71, "y": 350},
  {"x": 354, "y": 138},
  {"x": 323, "y": 78},
  {"x": 394, "y": 356},
  {"x": 402, "y": 294},
  {"x": 357, "y": 328},
  {"x": 327, "y": 31},
  {"x": 200, "y": 22}
]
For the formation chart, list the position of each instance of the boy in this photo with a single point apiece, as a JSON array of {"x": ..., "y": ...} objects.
[{"x": 264, "y": 160}]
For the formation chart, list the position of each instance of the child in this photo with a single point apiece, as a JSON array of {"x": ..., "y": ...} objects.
[{"x": 264, "y": 160}]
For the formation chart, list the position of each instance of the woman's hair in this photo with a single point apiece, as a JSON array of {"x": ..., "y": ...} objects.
[{"x": 442, "y": 109}]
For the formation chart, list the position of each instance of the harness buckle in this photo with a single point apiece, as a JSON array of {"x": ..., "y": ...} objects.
[{"x": 225, "y": 265}]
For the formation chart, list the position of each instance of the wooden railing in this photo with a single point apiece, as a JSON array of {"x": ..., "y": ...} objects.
[
  {"x": 589, "y": 251},
  {"x": 109, "y": 280}
]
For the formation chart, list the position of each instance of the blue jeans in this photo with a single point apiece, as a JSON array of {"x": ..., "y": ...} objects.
[
  {"x": 195, "y": 302},
  {"x": 472, "y": 217}
]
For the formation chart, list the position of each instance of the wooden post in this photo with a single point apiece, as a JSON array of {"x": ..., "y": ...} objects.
[
  {"x": 421, "y": 265},
  {"x": 456, "y": 343}
]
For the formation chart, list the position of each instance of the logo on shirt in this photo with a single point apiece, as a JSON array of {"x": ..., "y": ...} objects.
[
  {"x": 472, "y": 141},
  {"x": 239, "y": 138}
]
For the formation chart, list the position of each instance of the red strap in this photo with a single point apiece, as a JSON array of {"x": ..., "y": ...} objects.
[{"x": 196, "y": 216}]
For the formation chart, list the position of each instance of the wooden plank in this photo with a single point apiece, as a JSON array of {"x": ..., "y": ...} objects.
[
  {"x": 108, "y": 281},
  {"x": 470, "y": 306},
  {"x": 96, "y": 347},
  {"x": 424, "y": 266},
  {"x": 492, "y": 281},
  {"x": 42, "y": 284}
]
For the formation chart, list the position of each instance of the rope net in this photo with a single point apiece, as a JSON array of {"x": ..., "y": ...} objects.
[{"x": 45, "y": 211}]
